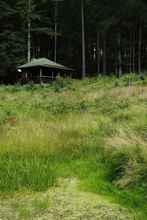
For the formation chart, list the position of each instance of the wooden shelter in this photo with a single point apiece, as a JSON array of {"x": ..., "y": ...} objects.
[{"x": 42, "y": 70}]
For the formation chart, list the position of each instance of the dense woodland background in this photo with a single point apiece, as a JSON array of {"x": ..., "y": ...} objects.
[{"x": 115, "y": 31}]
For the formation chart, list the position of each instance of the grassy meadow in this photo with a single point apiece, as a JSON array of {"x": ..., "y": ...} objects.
[{"x": 93, "y": 130}]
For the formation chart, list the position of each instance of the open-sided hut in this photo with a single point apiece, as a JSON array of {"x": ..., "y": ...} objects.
[{"x": 42, "y": 70}]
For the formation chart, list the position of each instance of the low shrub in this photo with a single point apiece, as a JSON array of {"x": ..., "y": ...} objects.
[
  {"x": 60, "y": 83},
  {"x": 128, "y": 168},
  {"x": 130, "y": 79}
]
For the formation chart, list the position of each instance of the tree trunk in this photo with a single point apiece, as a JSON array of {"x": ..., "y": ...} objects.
[
  {"x": 119, "y": 56},
  {"x": 104, "y": 54},
  {"x": 133, "y": 52},
  {"x": 98, "y": 52},
  {"x": 83, "y": 41},
  {"x": 139, "y": 47},
  {"x": 55, "y": 37},
  {"x": 29, "y": 30}
]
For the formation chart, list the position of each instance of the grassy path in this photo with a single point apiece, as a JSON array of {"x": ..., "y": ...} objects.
[{"x": 63, "y": 202}]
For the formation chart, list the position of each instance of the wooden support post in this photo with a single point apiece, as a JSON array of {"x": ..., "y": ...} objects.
[
  {"x": 58, "y": 75},
  {"x": 40, "y": 76},
  {"x": 52, "y": 75},
  {"x": 26, "y": 76}
]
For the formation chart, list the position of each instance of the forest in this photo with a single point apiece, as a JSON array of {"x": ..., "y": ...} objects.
[
  {"x": 113, "y": 34},
  {"x": 73, "y": 149}
]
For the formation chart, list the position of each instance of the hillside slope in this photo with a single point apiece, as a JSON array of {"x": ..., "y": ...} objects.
[{"x": 91, "y": 131}]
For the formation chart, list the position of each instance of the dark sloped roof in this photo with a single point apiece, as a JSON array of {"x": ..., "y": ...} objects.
[{"x": 43, "y": 62}]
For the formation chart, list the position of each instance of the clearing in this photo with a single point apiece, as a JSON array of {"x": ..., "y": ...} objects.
[{"x": 74, "y": 149}]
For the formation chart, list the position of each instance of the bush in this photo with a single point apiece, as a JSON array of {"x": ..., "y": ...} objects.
[
  {"x": 61, "y": 83},
  {"x": 130, "y": 79},
  {"x": 128, "y": 168}
]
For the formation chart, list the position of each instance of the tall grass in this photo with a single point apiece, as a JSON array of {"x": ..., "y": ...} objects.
[{"x": 94, "y": 130}]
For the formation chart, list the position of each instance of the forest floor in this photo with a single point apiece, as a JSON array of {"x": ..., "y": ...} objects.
[{"x": 74, "y": 149}]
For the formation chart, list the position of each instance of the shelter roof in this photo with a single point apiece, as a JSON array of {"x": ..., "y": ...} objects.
[{"x": 44, "y": 62}]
